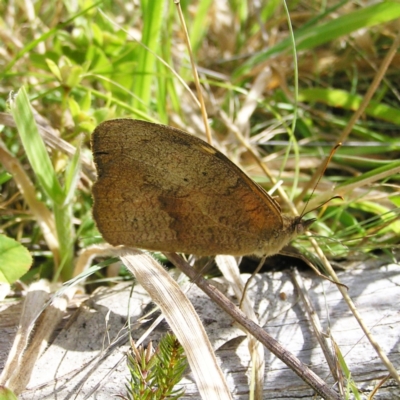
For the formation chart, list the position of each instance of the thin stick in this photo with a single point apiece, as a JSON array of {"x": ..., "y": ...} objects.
[
  {"x": 373, "y": 87},
  {"x": 371, "y": 90},
  {"x": 264, "y": 168},
  {"x": 325, "y": 166},
  {"x": 313, "y": 316},
  {"x": 194, "y": 72},
  {"x": 268, "y": 341},
  {"x": 256, "y": 271},
  {"x": 384, "y": 358}
]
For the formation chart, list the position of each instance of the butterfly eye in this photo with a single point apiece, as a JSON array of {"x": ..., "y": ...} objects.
[{"x": 299, "y": 226}]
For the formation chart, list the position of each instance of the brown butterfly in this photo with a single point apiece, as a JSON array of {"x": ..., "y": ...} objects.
[{"x": 162, "y": 189}]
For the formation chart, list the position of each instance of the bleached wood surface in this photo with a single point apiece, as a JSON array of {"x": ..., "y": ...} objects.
[{"x": 86, "y": 359}]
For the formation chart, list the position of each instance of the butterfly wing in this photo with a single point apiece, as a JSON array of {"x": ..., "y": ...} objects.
[{"x": 160, "y": 188}]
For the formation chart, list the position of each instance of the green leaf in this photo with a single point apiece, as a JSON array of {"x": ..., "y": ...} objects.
[
  {"x": 4, "y": 177},
  {"x": 7, "y": 394},
  {"x": 74, "y": 108},
  {"x": 97, "y": 34},
  {"x": 31, "y": 45},
  {"x": 15, "y": 260},
  {"x": 53, "y": 67},
  {"x": 86, "y": 101},
  {"x": 70, "y": 74},
  {"x": 395, "y": 200}
]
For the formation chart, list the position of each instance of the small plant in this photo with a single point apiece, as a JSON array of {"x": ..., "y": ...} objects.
[{"x": 154, "y": 373}]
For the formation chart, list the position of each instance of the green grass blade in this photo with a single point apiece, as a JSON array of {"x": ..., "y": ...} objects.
[
  {"x": 199, "y": 26},
  {"x": 34, "y": 146},
  {"x": 350, "y": 382},
  {"x": 153, "y": 12},
  {"x": 314, "y": 36},
  {"x": 344, "y": 99},
  {"x": 65, "y": 234},
  {"x": 362, "y": 18},
  {"x": 386, "y": 171}
]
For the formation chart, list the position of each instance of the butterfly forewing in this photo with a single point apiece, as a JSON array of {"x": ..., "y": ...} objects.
[{"x": 160, "y": 188}]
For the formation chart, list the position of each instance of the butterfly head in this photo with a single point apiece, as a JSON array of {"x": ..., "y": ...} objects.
[{"x": 292, "y": 227}]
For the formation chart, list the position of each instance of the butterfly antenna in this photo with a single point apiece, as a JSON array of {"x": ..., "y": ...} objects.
[{"x": 327, "y": 161}]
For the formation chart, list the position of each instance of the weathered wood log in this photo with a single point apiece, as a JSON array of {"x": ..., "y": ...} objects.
[{"x": 87, "y": 358}]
